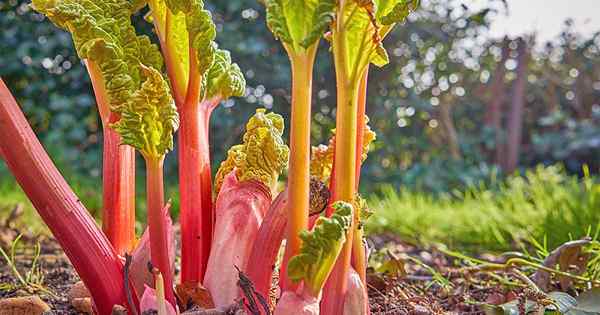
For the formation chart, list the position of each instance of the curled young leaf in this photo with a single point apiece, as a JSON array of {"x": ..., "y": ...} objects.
[
  {"x": 320, "y": 248},
  {"x": 262, "y": 155},
  {"x": 235, "y": 155},
  {"x": 149, "y": 119}
]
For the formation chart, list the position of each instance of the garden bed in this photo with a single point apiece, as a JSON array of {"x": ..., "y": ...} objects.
[{"x": 403, "y": 278}]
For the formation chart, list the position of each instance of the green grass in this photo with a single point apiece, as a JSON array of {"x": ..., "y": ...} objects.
[
  {"x": 545, "y": 203},
  {"x": 11, "y": 195}
]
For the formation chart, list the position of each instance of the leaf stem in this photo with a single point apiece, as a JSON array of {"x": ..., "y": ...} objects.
[
  {"x": 86, "y": 246},
  {"x": 359, "y": 259},
  {"x": 345, "y": 168},
  {"x": 195, "y": 187},
  {"x": 118, "y": 173},
  {"x": 299, "y": 169},
  {"x": 157, "y": 223}
]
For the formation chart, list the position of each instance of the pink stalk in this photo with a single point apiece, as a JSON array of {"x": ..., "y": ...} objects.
[
  {"x": 118, "y": 191},
  {"x": 118, "y": 174},
  {"x": 266, "y": 246},
  {"x": 297, "y": 303},
  {"x": 197, "y": 216},
  {"x": 158, "y": 224},
  {"x": 240, "y": 209},
  {"x": 140, "y": 277},
  {"x": 356, "y": 301},
  {"x": 88, "y": 249}
]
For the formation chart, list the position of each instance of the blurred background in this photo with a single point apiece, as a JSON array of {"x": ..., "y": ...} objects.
[{"x": 489, "y": 113}]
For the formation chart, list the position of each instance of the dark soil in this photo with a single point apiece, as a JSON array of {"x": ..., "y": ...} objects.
[
  {"x": 428, "y": 282},
  {"x": 53, "y": 265}
]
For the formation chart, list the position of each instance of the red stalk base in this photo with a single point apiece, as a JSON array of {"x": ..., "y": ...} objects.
[
  {"x": 158, "y": 224},
  {"x": 261, "y": 263},
  {"x": 240, "y": 209},
  {"x": 195, "y": 187},
  {"x": 118, "y": 196}
]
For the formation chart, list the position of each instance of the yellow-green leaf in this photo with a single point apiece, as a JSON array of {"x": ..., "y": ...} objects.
[
  {"x": 224, "y": 79},
  {"x": 299, "y": 23},
  {"x": 149, "y": 119},
  {"x": 320, "y": 248},
  {"x": 262, "y": 155}
]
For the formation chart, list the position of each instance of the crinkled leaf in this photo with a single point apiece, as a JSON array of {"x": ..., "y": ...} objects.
[
  {"x": 225, "y": 79},
  {"x": 320, "y": 248},
  {"x": 262, "y": 155},
  {"x": 103, "y": 34},
  {"x": 299, "y": 23},
  {"x": 150, "y": 118},
  {"x": 235, "y": 155}
]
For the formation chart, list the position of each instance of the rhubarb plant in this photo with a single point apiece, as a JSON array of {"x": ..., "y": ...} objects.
[
  {"x": 245, "y": 182},
  {"x": 237, "y": 227},
  {"x": 106, "y": 40}
]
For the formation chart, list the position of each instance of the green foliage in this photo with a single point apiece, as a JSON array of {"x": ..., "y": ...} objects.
[
  {"x": 225, "y": 79},
  {"x": 149, "y": 119},
  {"x": 299, "y": 23},
  {"x": 544, "y": 203},
  {"x": 200, "y": 30},
  {"x": 103, "y": 34},
  {"x": 427, "y": 60},
  {"x": 320, "y": 248}
]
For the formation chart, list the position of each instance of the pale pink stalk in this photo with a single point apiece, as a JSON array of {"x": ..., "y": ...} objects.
[
  {"x": 293, "y": 303},
  {"x": 267, "y": 244},
  {"x": 356, "y": 301},
  {"x": 240, "y": 209}
]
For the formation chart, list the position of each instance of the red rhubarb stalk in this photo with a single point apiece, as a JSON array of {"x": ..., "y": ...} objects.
[
  {"x": 148, "y": 122},
  {"x": 89, "y": 251},
  {"x": 267, "y": 244},
  {"x": 196, "y": 211},
  {"x": 118, "y": 174},
  {"x": 201, "y": 76},
  {"x": 158, "y": 224}
]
